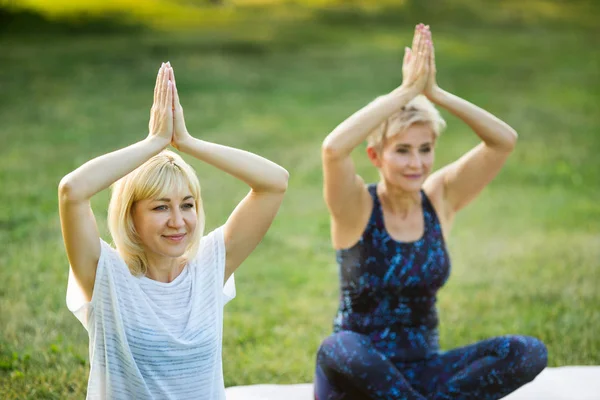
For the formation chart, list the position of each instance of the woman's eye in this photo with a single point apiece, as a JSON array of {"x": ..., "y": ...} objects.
[
  {"x": 160, "y": 208},
  {"x": 426, "y": 150},
  {"x": 188, "y": 205},
  {"x": 402, "y": 151}
]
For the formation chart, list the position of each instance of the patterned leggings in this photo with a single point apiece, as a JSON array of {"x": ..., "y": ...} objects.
[{"x": 350, "y": 368}]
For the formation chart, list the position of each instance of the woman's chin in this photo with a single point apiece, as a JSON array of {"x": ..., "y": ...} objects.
[
  {"x": 173, "y": 251},
  {"x": 410, "y": 185}
]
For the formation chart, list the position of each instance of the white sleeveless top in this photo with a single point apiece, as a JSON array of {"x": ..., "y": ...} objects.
[{"x": 155, "y": 340}]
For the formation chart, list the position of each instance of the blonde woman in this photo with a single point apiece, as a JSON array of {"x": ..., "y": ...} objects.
[
  {"x": 390, "y": 244},
  {"x": 153, "y": 306}
]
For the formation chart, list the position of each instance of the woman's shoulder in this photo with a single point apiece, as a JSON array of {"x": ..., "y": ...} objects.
[
  {"x": 434, "y": 193},
  {"x": 111, "y": 259},
  {"x": 212, "y": 239},
  {"x": 212, "y": 245}
]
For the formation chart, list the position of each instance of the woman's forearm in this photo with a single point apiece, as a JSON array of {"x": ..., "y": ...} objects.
[
  {"x": 355, "y": 129},
  {"x": 257, "y": 172},
  {"x": 493, "y": 132},
  {"x": 101, "y": 172}
]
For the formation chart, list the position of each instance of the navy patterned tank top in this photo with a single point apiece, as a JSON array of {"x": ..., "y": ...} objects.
[{"x": 388, "y": 288}]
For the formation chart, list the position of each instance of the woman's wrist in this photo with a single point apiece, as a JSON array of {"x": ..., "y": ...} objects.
[
  {"x": 402, "y": 95},
  {"x": 156, "y": 143},
  {"x": 436, "y": 95},
  {"x": 184, "y": 143},
  {"x": 407, "y": 91}
]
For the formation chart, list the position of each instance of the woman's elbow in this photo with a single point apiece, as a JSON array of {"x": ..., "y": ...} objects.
[
  {"x": 512, "y": 138},
  {"x": 329, "y": 149},
  {"x": 282, "y": 181},
  {"x": 277, "y": 182},
  {"x": 67, "y": 192},
  {"x": 507, "y": 142}
]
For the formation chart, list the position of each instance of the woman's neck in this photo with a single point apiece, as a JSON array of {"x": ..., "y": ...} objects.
[
  {"x": 163, "y": 269},
  {"x": 396, "y": 200}
]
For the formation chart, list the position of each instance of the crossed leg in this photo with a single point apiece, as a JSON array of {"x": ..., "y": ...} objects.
[
  {"x": 350, "y": 368},
  {"x": 486, "y": 370}
]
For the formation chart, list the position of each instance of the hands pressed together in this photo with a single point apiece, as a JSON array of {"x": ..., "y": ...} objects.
[
  {"x": 166, "y": 115},
  {"x": 167, "y": 122},
  {"x": 418, "y": 68}
]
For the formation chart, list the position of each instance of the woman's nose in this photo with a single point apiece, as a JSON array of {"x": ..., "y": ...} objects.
[
  {"x": 176, "y": 219},
  {"x": 415, "y": 160}
]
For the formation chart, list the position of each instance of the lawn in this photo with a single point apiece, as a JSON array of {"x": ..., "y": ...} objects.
[{"x": 526, "y": 253}]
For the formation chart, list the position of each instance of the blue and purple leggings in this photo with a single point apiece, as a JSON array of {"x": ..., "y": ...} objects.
[{"x": 350, "y": 368}]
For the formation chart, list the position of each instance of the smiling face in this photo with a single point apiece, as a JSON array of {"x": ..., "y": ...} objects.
[
  {"x": 405, "y": 160},
  {"x": 166, "y": 225},
  {"x": 156, "y": 211}
]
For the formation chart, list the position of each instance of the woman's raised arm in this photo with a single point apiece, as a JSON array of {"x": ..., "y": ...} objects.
[
  {"x": 461, "y": 181},
  {"x": 80, "y": 233},
  {"x": 252, "y": 217},
  {"x": 345, "y": 193}
]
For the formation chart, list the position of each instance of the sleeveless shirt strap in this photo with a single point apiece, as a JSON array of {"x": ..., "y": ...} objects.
[
  {"x": 428, "y": 209},
  {"x": 373, "y": 191},
  {"x": 376, "y": 214}
]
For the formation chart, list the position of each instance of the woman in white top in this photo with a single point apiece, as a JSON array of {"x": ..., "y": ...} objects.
[{"x": 153, "y": 307}]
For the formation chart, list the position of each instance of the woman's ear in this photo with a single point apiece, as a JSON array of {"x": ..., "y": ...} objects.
[{"x": 374, "y": 155}]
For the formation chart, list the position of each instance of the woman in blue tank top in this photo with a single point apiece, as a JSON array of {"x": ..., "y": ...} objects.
[{"x": 390, "y": 244}]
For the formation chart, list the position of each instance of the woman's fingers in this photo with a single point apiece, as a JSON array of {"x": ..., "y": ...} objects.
[
  {"x": 164, "y": 87},
  {"x": 176, "y": 96},
  {"x": 406, "y": 56},
  {"x": 169, "y": 100},
  {"x": 157, "y": 85},
  {"x": 172, "y": 74},
  {"x": 175, "y": 93},
  {"x": 415, "y": 42},
  {"x": 417, "y": 46},
  {"x": 424, "y": 50},
  {"x": 431, "y": 55},
  {"x": 161, "y": 115},
  {"x": 423, "y": 41},
  {"x": 418, "y": 54}
]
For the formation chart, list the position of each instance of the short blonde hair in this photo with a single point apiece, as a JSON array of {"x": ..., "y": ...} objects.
[
  {"x": 418, "y": 110},
  {"x": 153, "y": 179}
]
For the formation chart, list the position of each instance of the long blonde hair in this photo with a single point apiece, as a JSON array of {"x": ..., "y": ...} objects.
[{"x": 153, "y": 179}]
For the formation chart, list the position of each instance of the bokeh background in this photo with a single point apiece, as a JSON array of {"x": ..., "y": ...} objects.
[{"x": 275, "y": 77}]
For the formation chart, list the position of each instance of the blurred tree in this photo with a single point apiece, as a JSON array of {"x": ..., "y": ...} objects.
[
  {"x": 7, "y": 4},
  {"x": 8, "y": 14},
  {"x": 202, "y": 2}
]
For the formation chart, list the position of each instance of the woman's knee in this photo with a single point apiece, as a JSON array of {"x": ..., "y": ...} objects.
[
  {"x": 529, "y": 356},
  {"x": 342, "y": 343},
  {"x": 342, "y": 348}
]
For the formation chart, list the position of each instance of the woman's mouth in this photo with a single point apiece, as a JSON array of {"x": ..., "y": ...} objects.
[
  {"x": 413, "y": 176},
  {"x": 175, "y": 238}
]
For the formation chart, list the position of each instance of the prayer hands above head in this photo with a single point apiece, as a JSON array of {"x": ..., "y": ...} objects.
[
  {"x": 416, "y": 65},
  {"x": 180, "y": 132},
  {"x": 161, "y": 113},
  {"x": 431, "y": 85}
]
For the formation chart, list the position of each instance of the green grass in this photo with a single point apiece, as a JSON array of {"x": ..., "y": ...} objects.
[{"x": 526, "y": 254}]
